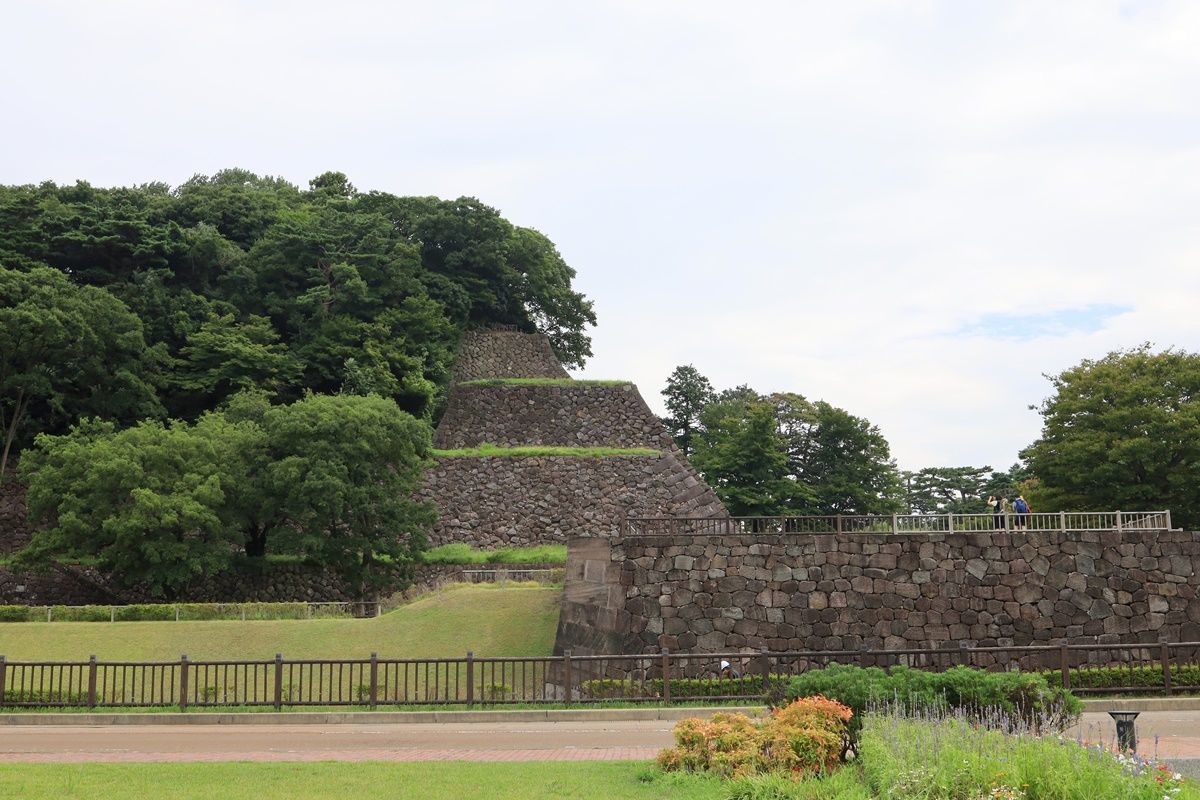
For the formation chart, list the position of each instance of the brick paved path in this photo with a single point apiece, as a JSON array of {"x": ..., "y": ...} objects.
[
  {"x": 544, "y": 741},
  {"x": 1178, "y": 736}
]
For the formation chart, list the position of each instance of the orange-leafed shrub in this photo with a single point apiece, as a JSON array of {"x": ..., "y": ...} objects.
[{"x": 804, "y": 738}]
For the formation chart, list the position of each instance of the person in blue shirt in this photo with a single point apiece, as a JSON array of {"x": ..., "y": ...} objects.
[{"x": 1022, "y": 509}]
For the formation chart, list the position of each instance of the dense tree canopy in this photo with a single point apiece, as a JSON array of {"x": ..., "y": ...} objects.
[
  {"x": 1123, "y": 432},
  {"x": 327, "y": 478},
  {"x": 783, "y": 454},
  {"x": 67, "y": 350},
  {"x": 236, "y": 280}
]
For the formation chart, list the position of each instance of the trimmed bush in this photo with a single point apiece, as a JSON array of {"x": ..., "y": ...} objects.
[
  {"x": 1024, "y": 694},
  {"x": 745, "y": 686},
  {"x": 15, "y": 614},
  {"x": 1136, "y": 679},
  {"x": 805, "y": 738}
]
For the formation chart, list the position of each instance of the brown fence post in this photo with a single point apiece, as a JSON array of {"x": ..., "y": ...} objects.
[
  {"x": 183, "y": 682},
  {"x": 895, "y": 524},
  {"x": 470, "y": 679},
  {"x": 3, "y": 677},
  {"x": 91, "y": 682},
  {"x": 1166, "y": 666},
  {"x": 766, "y": 674},
  {"x": 666, "y": 678},
  {"x": 839, "y": 523},
  {"x": 374, "y": 680},
  {"x": 964, "y": 653},
  {"x": 1064, "y": 656},
  {"x": 278, "y": 681},
  {"x": 567, "y": 675}
]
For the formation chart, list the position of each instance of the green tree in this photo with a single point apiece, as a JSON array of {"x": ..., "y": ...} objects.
[
  {"x": 1123, "y": 432},
  {"x": 849, "y": 467},
  {"x": 687, "y": 393},
  {"x": 343, "y": 470},
  {"x": 947, "y": 490},
  {"x": 326, "y": 478},
  {"x": 144, "y": 503},
  {"x": 224, "y": 356},
  {"x": 742, "y": 456},
  {"x": 66, "y": 350}
]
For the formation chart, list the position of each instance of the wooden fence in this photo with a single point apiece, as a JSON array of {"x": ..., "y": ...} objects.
[
  {"x": 1159, "y": 668},
  {"x": 1062, "y": 522}
]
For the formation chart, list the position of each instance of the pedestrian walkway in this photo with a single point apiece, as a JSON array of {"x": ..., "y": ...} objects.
[
  {"x": 1164, "y": 734},
  {"x": 512, "y": 741}
]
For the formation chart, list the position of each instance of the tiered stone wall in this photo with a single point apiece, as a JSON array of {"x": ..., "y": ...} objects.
[
  {"x": 505, "y": 354},
  {"x": 499, "y": 501},
  {"x": 846, "y": 591},
  {"x": 573, "y": 415}
]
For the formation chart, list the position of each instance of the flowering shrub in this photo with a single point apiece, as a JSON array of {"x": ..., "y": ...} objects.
[{"x": 806, "y": 737}]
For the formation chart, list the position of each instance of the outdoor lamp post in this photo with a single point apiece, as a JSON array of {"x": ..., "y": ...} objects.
[{"x": 1126, "y": 729}]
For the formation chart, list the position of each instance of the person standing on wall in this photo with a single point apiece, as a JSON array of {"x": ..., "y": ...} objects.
[
  {"x": 997, "y": 506},
  {"x": 1022, "y": 509}
]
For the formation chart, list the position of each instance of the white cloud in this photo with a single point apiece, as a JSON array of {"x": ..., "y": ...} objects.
[{"x": 804, "y": 196}]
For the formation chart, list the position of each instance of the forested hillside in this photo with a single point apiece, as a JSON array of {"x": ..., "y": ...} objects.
[{"x": 165, "y": 302}]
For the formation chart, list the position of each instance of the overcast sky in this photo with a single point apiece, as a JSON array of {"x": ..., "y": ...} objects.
[{"x": 909, "y": 209}]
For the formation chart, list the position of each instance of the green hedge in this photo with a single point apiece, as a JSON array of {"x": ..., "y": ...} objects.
[
  {"x": 749, "y": 686},
  {"x": 1024, "y": 694},
  {"x": 166, "y": 612},
  {"x": 1135, "y": 678},
  {"x": 40, "y": 697}
]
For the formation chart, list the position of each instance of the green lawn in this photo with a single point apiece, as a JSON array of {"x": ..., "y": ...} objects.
[
  {"x": 300, "y": 781},
  {"x": 489, "y": 620}
]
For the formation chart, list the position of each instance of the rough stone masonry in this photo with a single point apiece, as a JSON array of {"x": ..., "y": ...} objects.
[{"x": 847, "y": 591}]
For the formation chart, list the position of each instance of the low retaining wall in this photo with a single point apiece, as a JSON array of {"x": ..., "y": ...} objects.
[{"x": 847, "y": 591}]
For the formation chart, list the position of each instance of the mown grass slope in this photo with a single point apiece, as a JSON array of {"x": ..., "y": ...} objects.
[{"x": 489, "y": 620}]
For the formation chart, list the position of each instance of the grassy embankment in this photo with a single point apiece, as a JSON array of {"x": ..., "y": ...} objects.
[{"x": 489, "y": 620}]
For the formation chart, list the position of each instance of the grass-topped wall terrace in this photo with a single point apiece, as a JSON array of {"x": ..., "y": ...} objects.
[{"x": 491, "y": 451}]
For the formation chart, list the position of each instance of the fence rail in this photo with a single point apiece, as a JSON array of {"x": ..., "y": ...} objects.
[
  {"x": 1159, "y": 668},
  {"x": 1062, "y": 522}
]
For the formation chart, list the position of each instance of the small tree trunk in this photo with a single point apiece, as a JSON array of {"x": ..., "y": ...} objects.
[
  {"x": 256, "y": 541},
  {"x": 11, "y": 433}
]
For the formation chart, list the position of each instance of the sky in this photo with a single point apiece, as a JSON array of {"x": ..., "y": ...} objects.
[{"x": 913, "y": 210}]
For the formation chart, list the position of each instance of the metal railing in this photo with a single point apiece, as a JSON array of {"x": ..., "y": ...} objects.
[
  {"x": 1062, "y": 522},
  {"x": 1159, "y": 668}
]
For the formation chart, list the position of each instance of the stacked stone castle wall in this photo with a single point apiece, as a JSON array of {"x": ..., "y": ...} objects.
[
  {"x": 570, "y": 415},
  {"x": 505, "y": 354},
  {"x": 517, "y": 501},
  {"x": 848, "y": 591}
]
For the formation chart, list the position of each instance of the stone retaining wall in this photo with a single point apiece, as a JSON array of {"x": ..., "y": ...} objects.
[
  {"x": 14, "y": 521},
  {"x": 505, "y": 354},
  {"x": 578, "y": 415},
  {"x": 846, "y": 591},
  {"x": 500, "y": 501}
]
